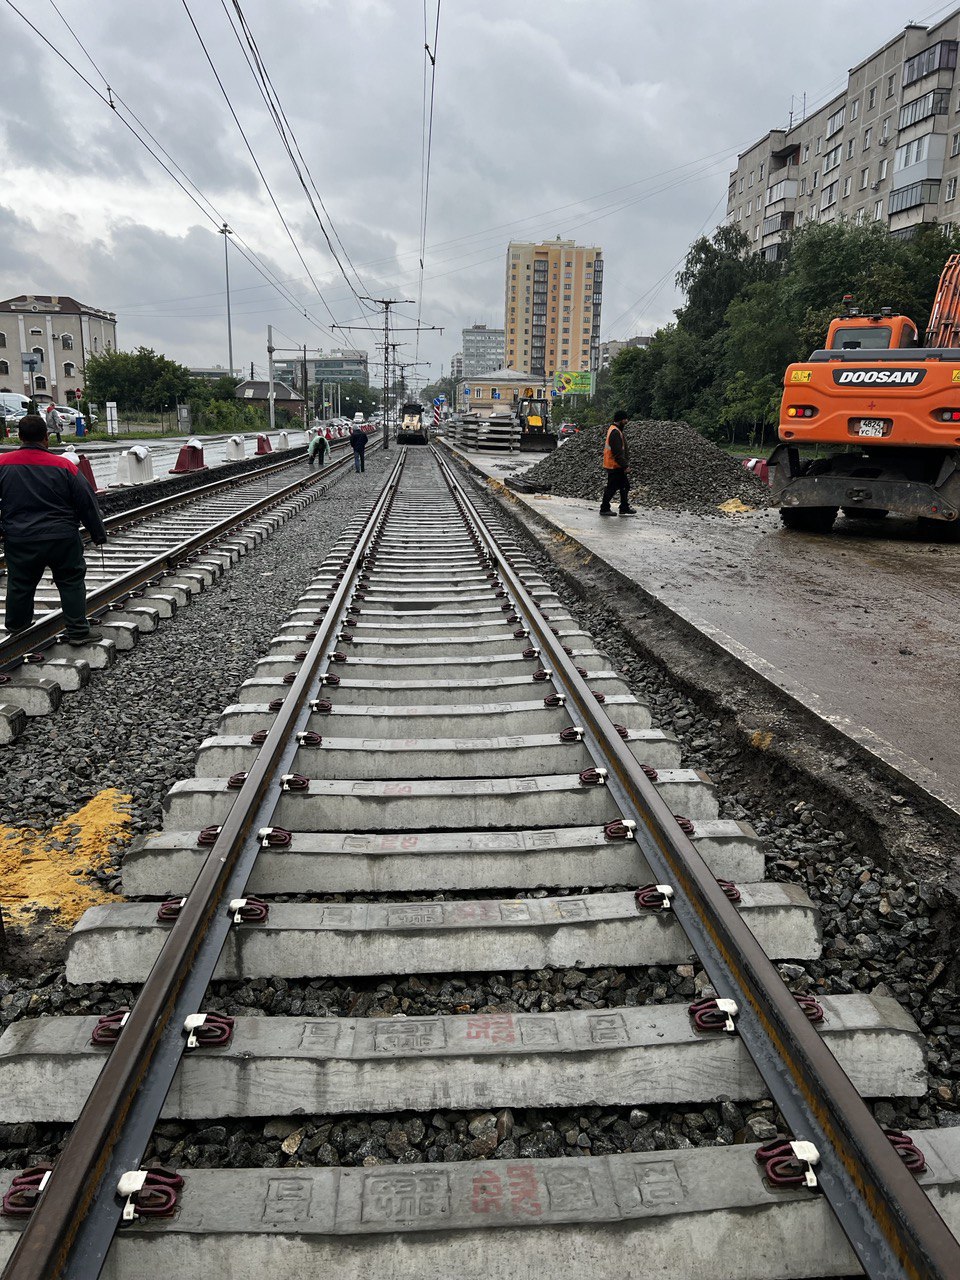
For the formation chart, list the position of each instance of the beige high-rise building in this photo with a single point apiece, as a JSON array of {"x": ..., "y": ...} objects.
[{"x": 552, "y": 299}]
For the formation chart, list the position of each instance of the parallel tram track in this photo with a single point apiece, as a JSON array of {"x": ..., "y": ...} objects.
[
  {"x": 425, "y": 624},
  {"x": 193, "y": 533}
]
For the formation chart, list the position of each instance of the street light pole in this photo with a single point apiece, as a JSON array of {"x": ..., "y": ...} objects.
[{"x": 225, "y": 231}]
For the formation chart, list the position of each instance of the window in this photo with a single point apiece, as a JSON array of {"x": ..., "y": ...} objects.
[
  {"x": 934, "y": 103},
  {"x": 854, "y": 109},
  {"x": 750, "y": 181},
  {"x": 864, "y": 179},
  {"x": 835, "y": 122},
  {"x": 851, "y": 143},
  {"x": 872, "y": 98},
  {"x": 740, "y": 214},
  {"x": 4, "y": 368},
  {"x": 912, "y": 152},
  {"x": 858, "y": 217},
  {"x": 940, "y": 55},
  {"x": 885, "y": 130},
  {"x": 816, "y": 181},
  {"x": 69, "y": 368},
  {"x": 749, "y": 208},
  {"x": 3, "y": 339},
  {"x": 760, "y": 175},
  {"x": 829, "y": 195},
  {"x": 799, "y": 216},
  {"x": 867, "y": 135},
  {"x": 951, "y": 190},
  {"x": 891, "y": 85},
  {"x": 847, "y": 184},
  {"x": 803, "y": 186},
  {"x": 40, "y": 383},
  {"x": 806, "y": 148},
  {"x": 832, "y": 159},
  {"x": 35, "y": 333},
  {"x": 819, "y": 146},
  {"x": 878, "y": 211},
  {"x": 882, "y": 171},
  {"x": 955, "y": 145},
  {"x": 756, "y": 233},
  {"x": 38, "y": 352}
]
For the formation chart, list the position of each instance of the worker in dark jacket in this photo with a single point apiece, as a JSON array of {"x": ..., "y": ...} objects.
[
  {"x": 616, "y": 460},
  {"x": 358, "y": 442},
  {"x": 43, "y": 501}
]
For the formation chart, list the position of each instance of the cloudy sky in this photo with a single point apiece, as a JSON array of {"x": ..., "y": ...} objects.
[{"x": 614, "y": 122}]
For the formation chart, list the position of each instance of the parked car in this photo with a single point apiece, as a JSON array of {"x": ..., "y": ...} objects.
[{"x": 567, "y": 429}]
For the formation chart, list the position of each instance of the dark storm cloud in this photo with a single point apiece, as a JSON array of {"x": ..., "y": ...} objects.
[{"x": 612, "y": 121}]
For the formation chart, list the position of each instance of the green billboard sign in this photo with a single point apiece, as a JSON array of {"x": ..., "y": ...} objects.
[{"x": 576, "y": 383}]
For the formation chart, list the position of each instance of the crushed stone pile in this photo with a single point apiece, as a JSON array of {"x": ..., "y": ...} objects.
[{"x": 671, "y": 465}]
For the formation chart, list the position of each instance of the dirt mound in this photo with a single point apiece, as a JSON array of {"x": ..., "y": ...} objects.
[{"x": 671, "y": 465}]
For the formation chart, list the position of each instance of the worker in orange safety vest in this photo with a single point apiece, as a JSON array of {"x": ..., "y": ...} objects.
[{"x": 616, "y": 466}]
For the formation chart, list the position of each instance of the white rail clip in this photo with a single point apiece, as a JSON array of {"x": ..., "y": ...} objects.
[
  {"x": 236, "y": 906},
  {"x": 129, "y": 1187},
  {"x": 666, "y": 893},
  {"x": 806, "y": 1153},
  {"x": 191, "y": 1024},
  {"x": 730, "y": 1008}
]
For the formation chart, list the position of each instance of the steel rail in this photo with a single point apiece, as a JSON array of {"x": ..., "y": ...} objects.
[
  {"x": 69, "y": 1232},
  {"x": 43, "y": 633},
  {"x": 890, "y": 1222}
]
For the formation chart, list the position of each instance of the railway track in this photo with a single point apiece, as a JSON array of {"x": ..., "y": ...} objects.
[
  {"x": 158, "y": 557},
  {"x": 434, "y": 771}
]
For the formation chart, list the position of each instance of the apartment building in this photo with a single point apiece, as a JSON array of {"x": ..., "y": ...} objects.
[
  {"x": 552, "y": 294},
  {"x": 482, "y": 350},
  {"x": 886, "y": 149},
  {"x": 610, "y": 350},
  {"x": 56, "y": 335}
]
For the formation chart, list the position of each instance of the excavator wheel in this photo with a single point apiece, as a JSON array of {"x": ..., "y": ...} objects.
[
  {"x": 864, "y": 513},
  {"x": 808, "y": 519}
]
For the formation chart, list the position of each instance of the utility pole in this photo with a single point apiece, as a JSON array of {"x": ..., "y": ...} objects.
[
  {"x": 387, "y": 303},
  {"x": 305, "y": 407},
  {"x": 225, "y": 231},
  {"x": 271, "y": 396}
]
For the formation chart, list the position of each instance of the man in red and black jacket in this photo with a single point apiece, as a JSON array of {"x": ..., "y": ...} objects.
[{"x": 43, "y": 501}]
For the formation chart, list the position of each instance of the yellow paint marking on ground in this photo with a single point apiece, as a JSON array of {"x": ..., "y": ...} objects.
[
  {"x": 761, "y": 739},
  {"x": 35, "y": 866},
  {"x": 734, "y": 507}
]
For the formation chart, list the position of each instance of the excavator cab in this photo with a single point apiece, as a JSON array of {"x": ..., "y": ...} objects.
[{"x": 882, "y": 331}]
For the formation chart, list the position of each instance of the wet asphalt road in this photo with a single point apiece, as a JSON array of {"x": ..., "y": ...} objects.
[{"x": 861, "y": 625}]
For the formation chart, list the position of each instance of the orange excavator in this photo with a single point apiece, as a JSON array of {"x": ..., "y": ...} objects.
[{"x": 885, "y": 412}]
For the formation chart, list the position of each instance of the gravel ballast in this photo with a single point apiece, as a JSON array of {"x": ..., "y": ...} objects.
[{"x": 671, "y": 465}]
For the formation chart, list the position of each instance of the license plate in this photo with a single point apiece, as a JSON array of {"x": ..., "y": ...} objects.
[{"x": 871, "y": 427}]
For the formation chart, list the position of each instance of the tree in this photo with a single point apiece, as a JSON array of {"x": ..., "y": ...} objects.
[
  {"x": 355, "y": 397},
  {"x": 716, "y": 270},
  {"x": 136, "y": 380}
]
